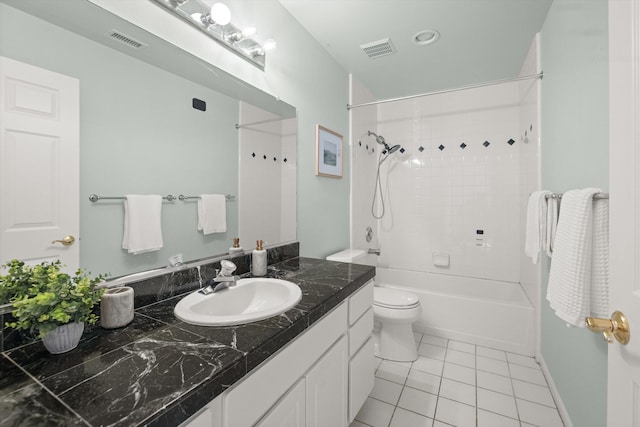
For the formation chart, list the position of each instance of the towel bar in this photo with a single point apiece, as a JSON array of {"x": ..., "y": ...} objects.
[
  {"x": 182, "y": 197},
  {"x": 94, "y": 198}
]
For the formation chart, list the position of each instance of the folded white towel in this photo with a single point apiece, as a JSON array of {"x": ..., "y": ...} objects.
[
  {"x": 574, "y": 266},
  {"x": 600, "y": 264},
  {"x": 142, "y": 223},
  {"x": 551, "y": 225},
  {"x": 212, "y": 213},
  {"x": 536, "y": 224}
]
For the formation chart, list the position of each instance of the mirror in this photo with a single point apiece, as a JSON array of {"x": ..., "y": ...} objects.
[{"x": 140, "y": 133}]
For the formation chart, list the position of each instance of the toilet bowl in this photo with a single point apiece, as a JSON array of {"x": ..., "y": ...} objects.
[{"x": 394, "y": 312}]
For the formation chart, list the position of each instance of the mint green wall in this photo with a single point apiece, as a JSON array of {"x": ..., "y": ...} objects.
[{"x": 575, "y": 155}]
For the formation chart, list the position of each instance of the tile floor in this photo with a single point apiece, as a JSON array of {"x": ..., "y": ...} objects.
[{"x": 459, "y": 384}]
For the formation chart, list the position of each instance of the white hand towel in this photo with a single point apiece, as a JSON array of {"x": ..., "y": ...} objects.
[
  {"x": 600, "y": 264},
  {"x": 552, "y": 225},
  {"x": 536, "y": 224},
  {"x": 212, "y": 213},
  {"x": 572, "y": 267},
  {"x": 142, "y": 223}
]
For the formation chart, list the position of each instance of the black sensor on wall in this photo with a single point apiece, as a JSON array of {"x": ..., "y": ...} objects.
[{"x": 199, "y": 104}]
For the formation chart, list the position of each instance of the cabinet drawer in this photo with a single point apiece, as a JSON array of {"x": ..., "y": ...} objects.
[
  {"x": 360, "y": 331},
  {"x": 360, "y": 302}
]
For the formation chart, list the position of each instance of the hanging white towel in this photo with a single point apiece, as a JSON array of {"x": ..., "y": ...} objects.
[
  {"x": 578, "y": 280},
  {"x": 212, "y": 213},
  {"x": 142, "y": 223},
  {"x": 551, "y": 225},
  {"x": 536, "y": 224}
]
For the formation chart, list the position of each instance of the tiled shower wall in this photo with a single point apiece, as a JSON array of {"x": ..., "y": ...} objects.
[
  {"x": 267, "y": 156},
  {"x": 457, "y": 189}
]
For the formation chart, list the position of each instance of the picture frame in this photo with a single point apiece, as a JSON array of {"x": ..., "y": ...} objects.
[{"x": 328, "y": 153}]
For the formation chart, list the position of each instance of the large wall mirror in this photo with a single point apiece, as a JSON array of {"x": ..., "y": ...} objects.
[{"x": 140, "y": 134}]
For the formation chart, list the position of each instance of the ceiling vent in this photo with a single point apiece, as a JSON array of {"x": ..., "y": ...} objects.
[
  {"x": 379, "y": 48},
  {"x": 124, "y": 39}
]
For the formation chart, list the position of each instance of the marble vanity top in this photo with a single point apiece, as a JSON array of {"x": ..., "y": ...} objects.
[{"x": 159, "y": 370}]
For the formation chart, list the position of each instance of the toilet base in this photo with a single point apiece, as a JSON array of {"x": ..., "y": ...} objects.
[{"x": 395, "y": 341}]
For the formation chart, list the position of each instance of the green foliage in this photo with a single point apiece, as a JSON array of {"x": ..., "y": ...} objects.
[{"x": 44, "y": 298}]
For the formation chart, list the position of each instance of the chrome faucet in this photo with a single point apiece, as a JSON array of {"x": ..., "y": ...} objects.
[{"x": 224, "y": 278}]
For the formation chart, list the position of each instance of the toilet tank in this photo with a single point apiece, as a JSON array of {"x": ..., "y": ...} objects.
[{"x": 358, "y": 256}]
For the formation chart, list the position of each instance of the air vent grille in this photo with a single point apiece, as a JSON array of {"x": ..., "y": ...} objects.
[
  {"x": 124, "y": 39},
  {"x": 378, "y": 48}
]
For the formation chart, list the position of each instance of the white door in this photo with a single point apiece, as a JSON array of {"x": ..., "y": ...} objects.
[
  {"x": 39, "y": 164},
  {"x": 623, "y": 408}
]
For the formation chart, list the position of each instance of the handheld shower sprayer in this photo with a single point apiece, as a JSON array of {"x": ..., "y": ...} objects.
[{"x": 378, "y": 189}]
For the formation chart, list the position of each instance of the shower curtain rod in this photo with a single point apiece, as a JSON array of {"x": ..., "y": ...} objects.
[
  {"x": 438, "y": 92},
  {"x": 244, "y": 125}
]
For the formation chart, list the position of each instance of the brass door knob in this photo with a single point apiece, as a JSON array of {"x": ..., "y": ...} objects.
[
  {"x": 617, "y": 327},
  {"x": 67, "y": 241}
]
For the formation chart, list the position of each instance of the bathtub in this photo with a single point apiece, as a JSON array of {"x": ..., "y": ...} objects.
[{"x": 485, "y": 312}]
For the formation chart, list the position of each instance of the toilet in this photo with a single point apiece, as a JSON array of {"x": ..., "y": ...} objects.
[{"x": 394, "y": 312}]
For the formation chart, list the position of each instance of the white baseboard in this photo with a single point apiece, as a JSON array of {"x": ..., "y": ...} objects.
[{"x": 555, "y": 393}]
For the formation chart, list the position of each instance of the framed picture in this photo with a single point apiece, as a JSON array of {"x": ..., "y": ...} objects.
[{"x": 328, "y": 153}]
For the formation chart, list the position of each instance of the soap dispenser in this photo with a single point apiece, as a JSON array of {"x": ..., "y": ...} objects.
[
  {"x": 235, "y": 249},
  {"x": 259, "y": 260}
]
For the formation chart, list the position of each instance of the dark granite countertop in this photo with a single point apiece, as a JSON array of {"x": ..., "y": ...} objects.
[{"x": 159, "y": 370}]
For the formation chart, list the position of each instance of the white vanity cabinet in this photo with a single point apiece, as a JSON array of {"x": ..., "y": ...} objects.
[{"x": 320, "y": 379}]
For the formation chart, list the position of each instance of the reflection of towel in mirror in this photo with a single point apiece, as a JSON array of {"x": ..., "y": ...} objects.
[
  {"x": 212, "y": 213},
  {"x": 536, "y": 233},
  {"x": 142, "y": 223},
  {"x": 579, "y": 276}
]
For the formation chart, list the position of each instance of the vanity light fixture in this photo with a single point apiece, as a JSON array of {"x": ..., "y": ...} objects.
[{"x": 215, "y": 21}]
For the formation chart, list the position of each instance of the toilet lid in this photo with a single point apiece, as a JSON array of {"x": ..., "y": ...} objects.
[{"x": 394, "y": 298}]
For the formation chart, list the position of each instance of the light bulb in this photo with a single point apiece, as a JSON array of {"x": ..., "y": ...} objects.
[
  {"x": 269, "y": 44},
  {"x": 220, "y": 14},
  {"x": 249, "y": 31}
]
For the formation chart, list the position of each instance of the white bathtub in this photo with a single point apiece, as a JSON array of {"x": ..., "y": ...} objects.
[{"x": 484, "y": 312}]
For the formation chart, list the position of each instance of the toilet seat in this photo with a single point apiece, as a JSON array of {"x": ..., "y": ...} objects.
[{"x": 394, "y": 299}]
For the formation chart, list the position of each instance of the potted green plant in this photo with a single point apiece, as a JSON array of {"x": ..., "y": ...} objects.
[{"x": 50, "y": 302}]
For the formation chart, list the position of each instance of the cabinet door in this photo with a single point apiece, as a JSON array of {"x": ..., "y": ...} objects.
[
  {"x": 361, "y": 377},
  {"x": 289, "y": 411},
  {"x": 327, "y": 388}
]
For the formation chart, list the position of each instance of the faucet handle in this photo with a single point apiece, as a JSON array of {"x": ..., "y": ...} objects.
[{"x": 227, "y": 267}]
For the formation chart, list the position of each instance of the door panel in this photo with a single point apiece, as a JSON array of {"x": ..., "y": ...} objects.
[{"x": 39, "y": 159}]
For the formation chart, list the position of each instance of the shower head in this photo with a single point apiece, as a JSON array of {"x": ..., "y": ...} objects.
[{"x": 392, "y": 149}]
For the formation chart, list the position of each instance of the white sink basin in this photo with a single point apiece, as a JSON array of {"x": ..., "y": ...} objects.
[{"x": 248, "y": 301}]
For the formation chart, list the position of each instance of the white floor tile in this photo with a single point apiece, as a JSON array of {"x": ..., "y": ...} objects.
[
  {"x": 491, "y": 353},
  {"x": 431, "y": 339},
  {"x": 489, "y": 419},
  {"x": 494, "y": 382},
  {"x": 497, "y": 402},
  {"x": 404, "y": 418},
  {"x": 529, "y": 362},
  {"x": 461, "y": 358},
  {"x": 529, "y": 375},
  {"x": 357, "y": 423},
  {"x": 533, "y": 393},
  {"x": 460, "y": 392},
  {"x": 461, "y": 346},
  {"x": 387, "y": 391},
  {"x": 392, "y": 372},
  {"x": 437, "y": 423},
  {"x": 432, "y": 351},
  {"x": 418, "y": 401},
  {"x": 455, "y": 413},
  {"x": 539, "y": 415},
  {"x": 375, "y": 413},
  {"x": 459, "y": 373},
  {"x": 427, "y": 364},
  {"x": 423, "y": 381},
  {"x": 492, "y": 365}
]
